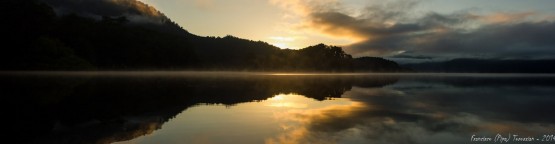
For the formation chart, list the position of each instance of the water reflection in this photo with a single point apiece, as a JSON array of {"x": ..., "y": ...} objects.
[
  {"x": 259, "y": 108},
  {"x": 254, "y": 122}
]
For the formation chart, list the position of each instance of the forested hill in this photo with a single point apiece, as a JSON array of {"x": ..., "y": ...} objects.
[{"x": 130, "y": 35}]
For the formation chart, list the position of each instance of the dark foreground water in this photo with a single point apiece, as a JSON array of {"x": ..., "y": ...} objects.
[{"x": 189, "y": 107}]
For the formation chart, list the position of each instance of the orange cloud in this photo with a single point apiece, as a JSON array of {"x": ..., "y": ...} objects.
[
  {"x": 303, "y": 7},
  {"x": 498, "y": 18},
  {"x": 302, "y": 13},
  {"x": 330, "y": 18}
]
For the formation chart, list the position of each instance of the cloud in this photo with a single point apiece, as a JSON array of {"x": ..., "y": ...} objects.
[
  {"x": 296, "y": 12},
  {"x": 503, "y": 17},
  {"x": 306, "y": 7},
  {"x": 386, "y": 29},
  {"x": 134, "y": 10},
  {"x": 408, "y": 55}
]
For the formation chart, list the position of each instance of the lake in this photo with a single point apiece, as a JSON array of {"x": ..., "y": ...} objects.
[{"x": 273, "y": 108}]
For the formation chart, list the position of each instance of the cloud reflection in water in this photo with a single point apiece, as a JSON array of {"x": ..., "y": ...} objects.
[
  {"x": 251, "y": 108},
  {"x": 416, "y": 112}
]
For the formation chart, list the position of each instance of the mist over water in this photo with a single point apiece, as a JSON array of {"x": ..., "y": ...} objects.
[{"x": 237, "y": 107}]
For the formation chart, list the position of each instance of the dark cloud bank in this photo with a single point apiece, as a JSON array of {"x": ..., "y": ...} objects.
[
  {"x": 393, "y": 30},
  {"x": 133, "y": 10}
]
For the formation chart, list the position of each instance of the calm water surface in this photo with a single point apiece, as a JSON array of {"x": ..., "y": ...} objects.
[{"x": 191, "y": 107}]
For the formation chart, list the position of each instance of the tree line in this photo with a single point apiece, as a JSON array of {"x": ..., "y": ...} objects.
[{"x": 39, "y": 39}]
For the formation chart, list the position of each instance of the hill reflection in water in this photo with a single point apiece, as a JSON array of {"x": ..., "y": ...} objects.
[{"x": 267, "y": 108}]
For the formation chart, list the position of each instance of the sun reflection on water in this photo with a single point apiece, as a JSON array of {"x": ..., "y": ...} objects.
[
  {"x": 302, "y": 112},
  {"x": 286, "y": 100}
]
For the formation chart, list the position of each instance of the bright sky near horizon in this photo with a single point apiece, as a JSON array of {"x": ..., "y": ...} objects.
[{"x": 365, "y": 27}]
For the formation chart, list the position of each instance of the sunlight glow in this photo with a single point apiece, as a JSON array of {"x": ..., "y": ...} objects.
[
  {"x": 281, "y": 45},
  {"x": 282, "y": 42},
  {"x": 287, "y": 39},
  {"x": 286, "y": 100},
  {"x": 277, "y": 97}
]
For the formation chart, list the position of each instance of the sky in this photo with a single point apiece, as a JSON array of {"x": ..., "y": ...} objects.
[{"x": 404, "y": 30}]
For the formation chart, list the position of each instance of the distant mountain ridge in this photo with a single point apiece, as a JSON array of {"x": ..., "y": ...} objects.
[
  {"x": 486, "y": 66},
  {"x": 130, "y": 35}
]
